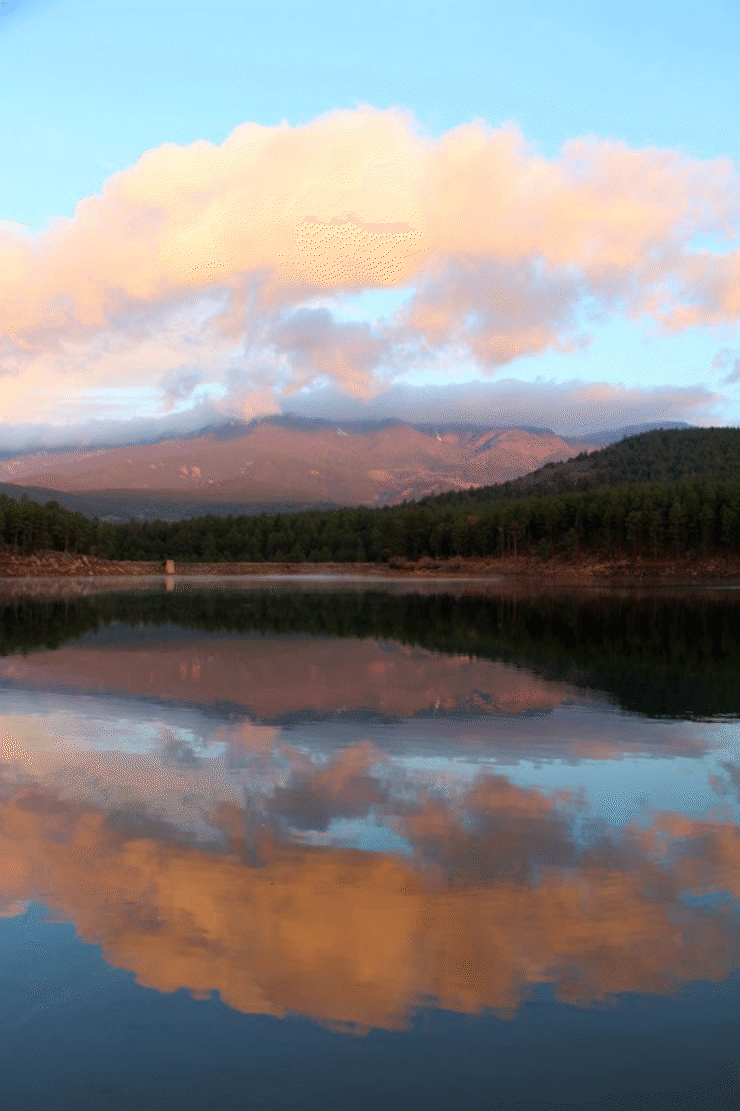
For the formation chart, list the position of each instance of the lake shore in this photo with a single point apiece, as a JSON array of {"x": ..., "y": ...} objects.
[{"x": 586, "y": 570}]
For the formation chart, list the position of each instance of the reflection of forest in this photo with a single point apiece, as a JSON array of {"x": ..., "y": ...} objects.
[
  {"x": 498, "y": 894},
  {"x": 659, "y": 654}
]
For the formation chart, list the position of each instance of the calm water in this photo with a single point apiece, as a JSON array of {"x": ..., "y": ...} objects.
[{"x": 351, "y": 845}]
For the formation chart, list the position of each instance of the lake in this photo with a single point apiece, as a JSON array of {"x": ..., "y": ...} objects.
[{"x": 289, "y": 843}]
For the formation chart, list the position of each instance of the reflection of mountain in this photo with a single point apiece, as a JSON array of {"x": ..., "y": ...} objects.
[
  {"x": 663, "y": 654},
  {"x": 277, "y": 678},
  {"x": 498, "y": 894}
]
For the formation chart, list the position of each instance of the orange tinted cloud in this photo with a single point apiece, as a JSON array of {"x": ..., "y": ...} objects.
[
  {"x": 509, "y": 899},
  {"x": 711, "y": 291},
  {"x": 201, "y": 255}
]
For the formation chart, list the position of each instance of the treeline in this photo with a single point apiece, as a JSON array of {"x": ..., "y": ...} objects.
[
  {"x": 659, "y": 656},
  {"x": 26, "y": 527},
  {"x": 663, "y": 455},
  {"x": 149, "y": 505},
  {"x": 657, "y": 520}
]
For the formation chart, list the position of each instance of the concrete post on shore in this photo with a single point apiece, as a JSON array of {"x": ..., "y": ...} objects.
[{"x": 169, "y": 567}]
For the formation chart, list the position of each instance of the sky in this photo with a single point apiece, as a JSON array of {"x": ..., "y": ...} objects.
[{"x": 510, "y": 211}]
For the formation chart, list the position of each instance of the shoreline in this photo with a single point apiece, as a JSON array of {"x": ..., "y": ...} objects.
[{"x": 587, "y": 571}]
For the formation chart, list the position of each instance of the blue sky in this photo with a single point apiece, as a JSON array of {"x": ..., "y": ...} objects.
[{"x": 88, "y": 89}]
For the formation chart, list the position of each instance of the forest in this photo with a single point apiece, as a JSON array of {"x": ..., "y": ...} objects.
[
  {"x": 662, "y": 455},
  {"x": 692, "y": 508}
]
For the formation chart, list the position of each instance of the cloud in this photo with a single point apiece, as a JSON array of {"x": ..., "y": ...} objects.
[
  {"x": 99, "y": 432},
  {"x": 727, "y": 360},
  {"x": 499, "y": 311},
  {"x": 200, "y": 264},
  {"x": 570, "y": 407},
  {"x": 319, "y": 346},
  {"x": 711, "y": 291}
]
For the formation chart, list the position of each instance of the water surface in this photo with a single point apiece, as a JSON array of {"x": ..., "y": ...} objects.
[{"x": 325, "y": 845}]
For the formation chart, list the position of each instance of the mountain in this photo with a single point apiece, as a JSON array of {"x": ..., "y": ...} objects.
[
  {"x": 280, "y": 462},
  {"x": 285, "y": 463},
  {"x": 610, "y": 435},
  {"x": 660, "y": 455}
]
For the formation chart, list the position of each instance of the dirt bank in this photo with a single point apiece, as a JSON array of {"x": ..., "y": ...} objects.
[{"x": 586, "y": 571}]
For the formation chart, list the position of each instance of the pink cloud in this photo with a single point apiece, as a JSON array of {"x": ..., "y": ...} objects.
[{"x": 198, "y": 256}]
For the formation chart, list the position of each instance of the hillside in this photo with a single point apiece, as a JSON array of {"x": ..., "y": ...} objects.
[
  {"x": 118, "y": 506},
  {"x": 280, "y": 464},
  {"x": 660, "y": 455}
]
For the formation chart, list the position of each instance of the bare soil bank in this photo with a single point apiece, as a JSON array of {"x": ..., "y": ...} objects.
[{"x": 583, "y": 571}]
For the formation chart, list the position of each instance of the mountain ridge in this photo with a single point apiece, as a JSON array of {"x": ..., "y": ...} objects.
[
  {"x": 286, "y": 463},
  {"x": 657, "y": 455}
]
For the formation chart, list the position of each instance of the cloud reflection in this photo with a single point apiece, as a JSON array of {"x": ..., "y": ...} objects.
[{"x": 503, "y": 888}]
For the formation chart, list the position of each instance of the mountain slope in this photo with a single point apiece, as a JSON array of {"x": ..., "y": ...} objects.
[
  {"x": 661, "y": 455},
  {"x": 288, "y": 463},
  {"x": 281, "y": 461}
]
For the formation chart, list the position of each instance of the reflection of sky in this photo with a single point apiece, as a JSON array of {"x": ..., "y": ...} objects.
[
  {"x": 50, "y": 735},
  {"x": 356, "y": 833},
  {"x": 617, "y": 790},
  {"x": 83, "y": 722}
]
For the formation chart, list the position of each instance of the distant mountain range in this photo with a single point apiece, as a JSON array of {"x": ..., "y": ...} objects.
[{"x": 290, "y": 463}]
